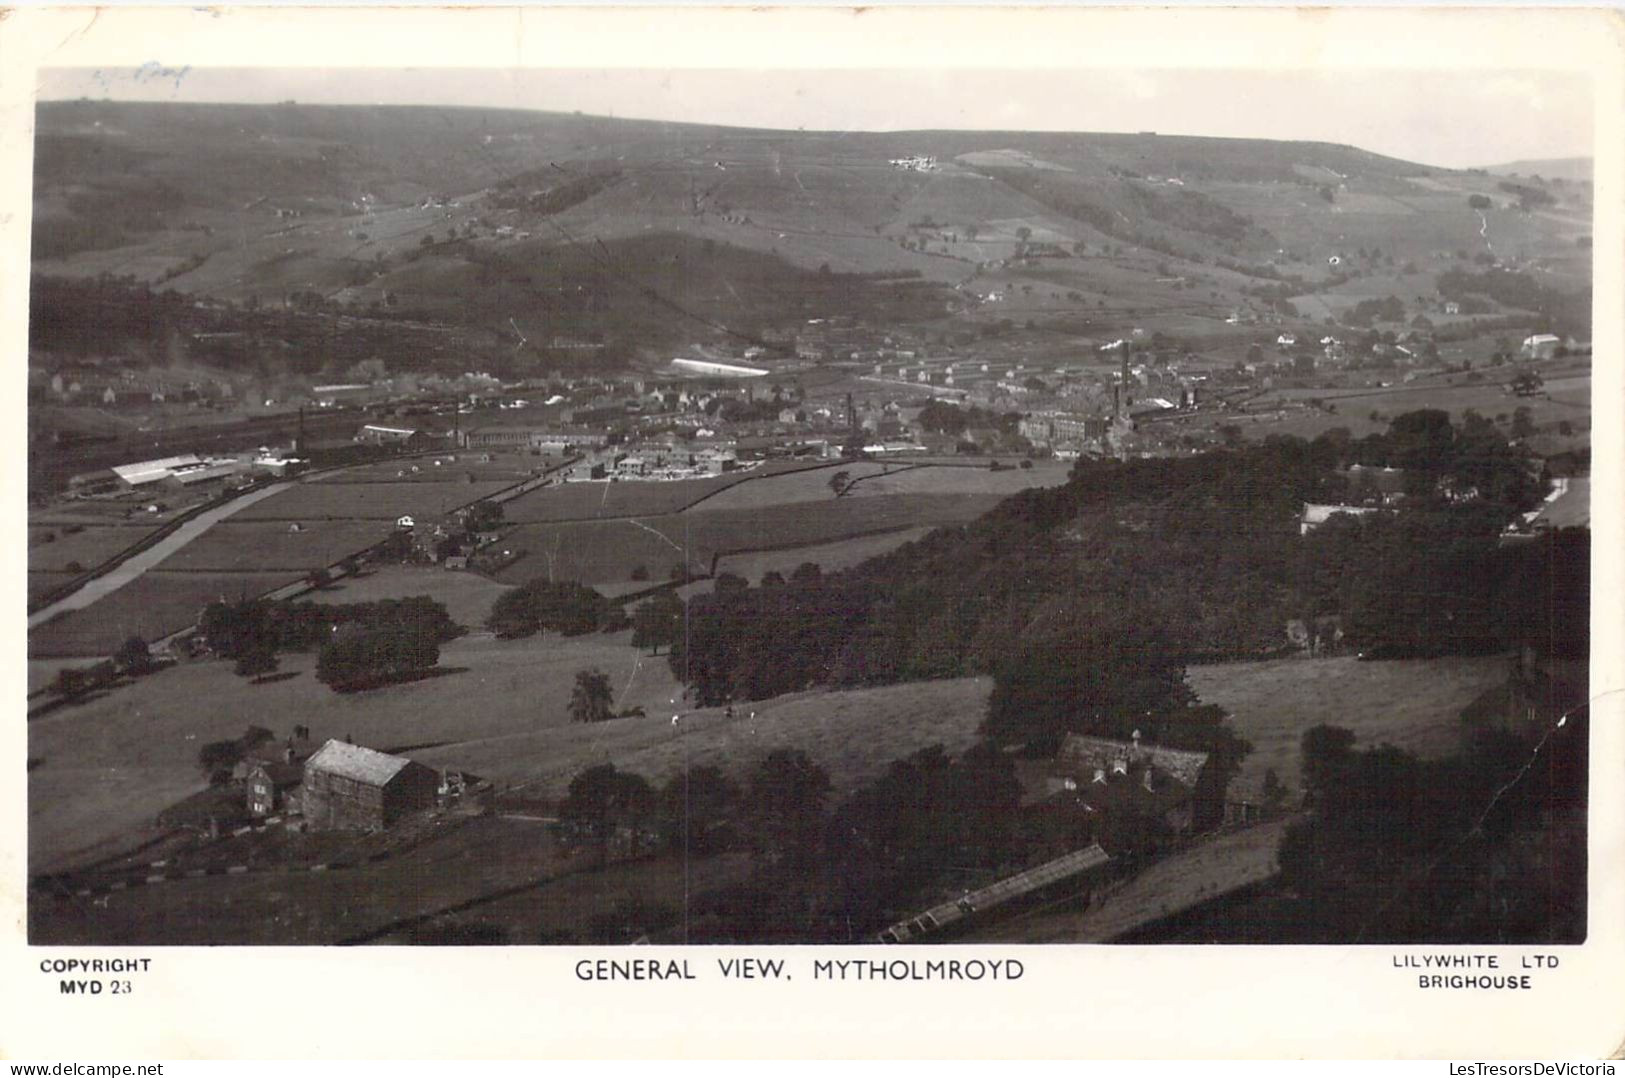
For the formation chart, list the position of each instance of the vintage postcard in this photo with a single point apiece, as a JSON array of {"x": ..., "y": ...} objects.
[{"x": 893, "y": 531}]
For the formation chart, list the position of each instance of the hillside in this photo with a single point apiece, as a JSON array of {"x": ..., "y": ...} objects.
[
  {"x": 660, "y": 234},
  {"x": 1577, "y": 169}
]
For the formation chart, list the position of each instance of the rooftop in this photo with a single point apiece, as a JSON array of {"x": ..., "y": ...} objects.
[{"x": 355, "y": 762}]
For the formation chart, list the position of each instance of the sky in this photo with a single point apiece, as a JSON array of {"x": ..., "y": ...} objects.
[{"x": 1449, "y": 119}]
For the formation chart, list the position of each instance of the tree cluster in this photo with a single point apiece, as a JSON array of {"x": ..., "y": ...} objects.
[
  {"x": 565, "y": 607},
  {"x": 366, "y": 658}
]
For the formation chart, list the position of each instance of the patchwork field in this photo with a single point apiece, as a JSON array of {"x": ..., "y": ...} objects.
[
  {"x": 596, "y": 500},
  {"x": 371, "y": 501},
  {"x": 245, "y": 546},
  {"x": 589, "y": 501},
  {"x": 151, "y": 606},
  {"x": 1415, "y": 705},
  {"x": 451, "y": 468},
  {"x": 607, "y": 551}
]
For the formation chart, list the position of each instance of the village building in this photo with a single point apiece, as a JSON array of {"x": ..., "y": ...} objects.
[
  {"x": 1103, "y": 775},
  {"x": 399, "y": 437},
  {"x": 1540, "y": 346},
  {"x": 348, "y": 787}
]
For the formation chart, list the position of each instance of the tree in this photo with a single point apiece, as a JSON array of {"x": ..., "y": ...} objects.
[
  {"x": 513, "y": 616},
  {"x": 657, "y": 621},
  {"x": 1275, "y": 791},
  {"x": 133, "y": 657},
  {"x": 366, "y": 658},
  {"x": 602, "y": 802},
  {"x": 697, "y": 808},
  {"x": 640, "y": 572},
  {"x": 70, "y": 682},
  {"x": 256, "y": 664},
  {"x": 319, "y": 579},
  {"x": 1327, "y": 751},
  {"x": 1479, "y": 202},
  {"x": 786, "y": 808},
  {"x": 592, "y": 699},
  {"x": 1523, "y": 422},
  {"x": 839, "y": 482},
  {"x": 483, "y": 516}
]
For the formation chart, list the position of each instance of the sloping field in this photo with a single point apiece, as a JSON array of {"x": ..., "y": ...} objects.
[
  {"x": 590, "y": 501},
  {"x": 854, "y": 734},
  {"x": 949, "y": 479},
  {"x": 112, "y": 763},
  {"x": 1415, "y": 705},
  {"x": 811, "y": 486},
  {"x": 245, "y": 546},
  {"x": 370, "y": 501},
  {"x": 842, "y": 554},
  {"x": 151, "y": 606},
  {"x": 607, "y": 551}
]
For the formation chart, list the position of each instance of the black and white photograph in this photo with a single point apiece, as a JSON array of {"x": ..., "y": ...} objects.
[{"x": 874, "y": 507}]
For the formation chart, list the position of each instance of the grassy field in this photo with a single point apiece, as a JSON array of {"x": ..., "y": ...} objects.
[
  {"x": 467, "y": 596},
  {"x": 370, "y": 501},
  {"x": 1568, "y": 399},
  {"x": 260, "y": 546},
  {"x": 587, "y": 501},
  {"x": 607, "y": 551},
  {"x": 151, "y": 606},
  {"x": 1415, "y": 705},
  {"x": 502, "y": 875},
  {"x": 463, "y": 862},
  {"x": 112, "y": 763},
  {"x": 827, "y": 556},
  {"x": 955, "y": 480},
  {"x": 89, "y": 548},
  {"x": 853, "y": 734},
  {"x": 809, "y": 486},
  {"x": 449, "y": 468}
]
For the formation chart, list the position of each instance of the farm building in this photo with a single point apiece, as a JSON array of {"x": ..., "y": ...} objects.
[
  {"x": 1540, "y": 346},
  {"x": 348, "y": 787},
  {"x": 147, "y": 472},
  {"x": 401, "y": 437}
]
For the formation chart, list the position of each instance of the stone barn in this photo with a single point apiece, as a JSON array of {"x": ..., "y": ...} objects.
[{"x": 347, "y": 787}]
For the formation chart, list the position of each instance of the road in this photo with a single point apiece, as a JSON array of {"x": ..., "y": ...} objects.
[{"x": 140, "y": 563}]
